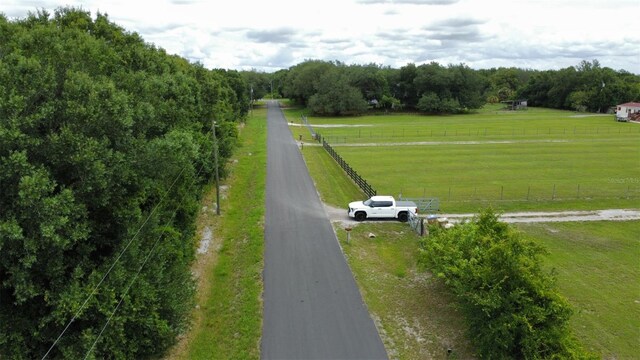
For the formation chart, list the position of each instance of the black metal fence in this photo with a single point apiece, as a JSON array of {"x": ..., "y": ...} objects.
[{"x": 362, "y": 183}]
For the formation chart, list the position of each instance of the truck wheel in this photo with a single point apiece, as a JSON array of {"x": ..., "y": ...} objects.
[
  {"x": 403, "y": 217},
  {"x": 360, "y": 216}
]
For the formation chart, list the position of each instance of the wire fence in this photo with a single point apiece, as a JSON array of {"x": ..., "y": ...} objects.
[
  {"x": 342, "y": 136},
  {"x": 620, "y": 189}
]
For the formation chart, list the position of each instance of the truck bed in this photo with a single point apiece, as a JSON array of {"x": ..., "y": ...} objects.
[{"x": 404, "y": 203}]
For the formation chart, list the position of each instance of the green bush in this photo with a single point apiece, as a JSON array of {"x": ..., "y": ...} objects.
[{"x": 512, "y": 306}]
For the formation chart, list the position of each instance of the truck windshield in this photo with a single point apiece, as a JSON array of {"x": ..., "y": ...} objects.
[{"x": 367, "y": 202}]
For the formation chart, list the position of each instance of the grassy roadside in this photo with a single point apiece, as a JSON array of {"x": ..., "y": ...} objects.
[
  {"x": 414, "y": 312},
  {"x": 228, "y": 319},
  {"x": 334, "y": 188},
  {"x": 598, "y": 271}
]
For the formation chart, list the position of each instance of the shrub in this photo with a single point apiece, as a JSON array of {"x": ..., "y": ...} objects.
[{"x": 511, "y": 304}]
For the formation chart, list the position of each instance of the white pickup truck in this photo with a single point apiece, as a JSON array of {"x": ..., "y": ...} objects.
[{"x": 382, "y": 207}]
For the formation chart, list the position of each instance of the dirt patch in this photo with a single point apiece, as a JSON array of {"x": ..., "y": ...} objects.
[{"x": 205, "y": 240}]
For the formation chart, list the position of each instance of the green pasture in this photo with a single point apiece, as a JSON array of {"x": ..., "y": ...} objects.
[
  {"x": 598, "y": 271},
  {"x": 538, "y": 159},
  {"x": 490, "y": 123}
]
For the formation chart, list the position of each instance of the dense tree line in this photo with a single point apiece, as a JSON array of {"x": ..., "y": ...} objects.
[
  {"x": 586, "y": 87},
  {"x": 333, "y": 88},
  {"x": 105, "y": 143}
]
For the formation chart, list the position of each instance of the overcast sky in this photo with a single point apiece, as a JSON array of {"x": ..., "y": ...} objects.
[{"x": 274, "y": 34}]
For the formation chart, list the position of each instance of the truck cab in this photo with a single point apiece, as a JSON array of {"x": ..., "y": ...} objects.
[{"x": 381, "y": 207}]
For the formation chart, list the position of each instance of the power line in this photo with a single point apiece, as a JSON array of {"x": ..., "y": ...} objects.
[
  {"x": 75, "y": 316},
  {"x": 137, "y": 273},
  {"x": 129, "y": 287}
]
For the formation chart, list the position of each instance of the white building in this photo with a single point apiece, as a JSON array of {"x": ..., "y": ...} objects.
[{"x": 624, "y": 110}]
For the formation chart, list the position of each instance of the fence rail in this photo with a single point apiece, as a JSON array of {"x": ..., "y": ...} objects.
[
  {"x": 615, "y": 188},
  {"x": 362, "y": 183},
  {"x": 356, "y": 135},
  {"x": 424, "y": 204}
]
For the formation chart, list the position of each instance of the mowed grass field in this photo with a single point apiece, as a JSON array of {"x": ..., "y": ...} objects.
[
  {"x": 538, "y": 159},
  {"x": 598, "y": 270}
]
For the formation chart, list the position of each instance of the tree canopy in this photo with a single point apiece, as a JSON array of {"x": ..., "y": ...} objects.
[
  {"x": 104, "y": 147},
  {"x": 434, "y": 88}
]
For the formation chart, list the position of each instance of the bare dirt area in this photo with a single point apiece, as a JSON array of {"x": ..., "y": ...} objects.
[{"x": 340, "y": 215}]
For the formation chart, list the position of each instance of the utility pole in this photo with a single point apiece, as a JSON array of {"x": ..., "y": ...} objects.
[
  {"x": 215, "y": 162},
  {"x": 251, "y": 100}
]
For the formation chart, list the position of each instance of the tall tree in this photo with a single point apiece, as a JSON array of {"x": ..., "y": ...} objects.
[{"x": 335, "y": 96}]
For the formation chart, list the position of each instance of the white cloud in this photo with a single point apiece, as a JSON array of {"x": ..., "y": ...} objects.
[{"x": 269, "y": 35}]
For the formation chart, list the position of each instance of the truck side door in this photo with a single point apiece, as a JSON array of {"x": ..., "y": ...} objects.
[{"x": 386, "y": 209}]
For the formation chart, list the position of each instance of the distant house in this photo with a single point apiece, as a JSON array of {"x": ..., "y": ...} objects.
[
  {"x": 515, "y": 104},
  {"x": 626, "y": 110}
]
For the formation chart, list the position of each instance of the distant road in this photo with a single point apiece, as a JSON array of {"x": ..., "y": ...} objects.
[{"x": 312, "y": 306}]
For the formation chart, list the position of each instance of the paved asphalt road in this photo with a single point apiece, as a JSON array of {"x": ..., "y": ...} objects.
[{"x": 312, "y": 306}]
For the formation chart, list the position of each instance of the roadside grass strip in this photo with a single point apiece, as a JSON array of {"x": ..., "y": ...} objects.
[
  {"x": 415, "y": 314},
  {"x": 333, "y": 188},
  {"x": 232, "y": 312}
]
